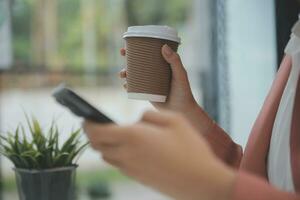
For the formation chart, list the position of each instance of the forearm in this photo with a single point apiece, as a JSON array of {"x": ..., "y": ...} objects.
[
  {"x": 221, "y": 143},
  {"x": 221, "y": 181},
  {"x": 210, "y": 181},
  {"x": 198, "y": 118},
  {"x": 248, "y": 187}
]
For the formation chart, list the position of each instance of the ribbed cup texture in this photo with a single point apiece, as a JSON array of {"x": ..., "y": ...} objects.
[{"x": 147, "y": 70}]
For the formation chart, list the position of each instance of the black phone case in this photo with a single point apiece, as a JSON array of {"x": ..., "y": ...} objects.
[{"x": 78, "y": 105}]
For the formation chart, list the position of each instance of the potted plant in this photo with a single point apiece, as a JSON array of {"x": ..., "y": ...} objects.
[{"x": 44, "y": 169}]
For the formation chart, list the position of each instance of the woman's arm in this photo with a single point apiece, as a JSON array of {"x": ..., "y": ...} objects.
[
  {"x": 181, "y": 100},
  {"x": 254, "y": 159},
  {"x": 250, "y": 187},
  {"x": 164, "y": 151},
  {"x": 256, "y": 152},
  {"x": 220, "y": 142}
]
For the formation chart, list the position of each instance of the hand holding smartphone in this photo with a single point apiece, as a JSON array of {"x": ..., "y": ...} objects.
[{"x": 80, "y": 107}]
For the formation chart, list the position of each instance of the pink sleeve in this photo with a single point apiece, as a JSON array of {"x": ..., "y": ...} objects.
[{"x": 251, "y": 187}]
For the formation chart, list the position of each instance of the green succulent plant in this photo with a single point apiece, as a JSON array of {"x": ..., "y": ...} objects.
[{"x": 41, "y": 150}]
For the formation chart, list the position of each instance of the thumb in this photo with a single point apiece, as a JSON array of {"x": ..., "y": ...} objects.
[{"x": 178, "y": 71}]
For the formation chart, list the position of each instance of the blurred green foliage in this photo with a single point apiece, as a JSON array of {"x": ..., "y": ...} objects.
[
  {"x": 108, "y": 19},
  {"x": 69, "y": 33},
  {"x": 170, "y": 12},
  {"x": 21, "y": 30}
]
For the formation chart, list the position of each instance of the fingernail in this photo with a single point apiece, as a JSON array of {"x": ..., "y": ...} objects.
[{"x": 167, "y": 50}]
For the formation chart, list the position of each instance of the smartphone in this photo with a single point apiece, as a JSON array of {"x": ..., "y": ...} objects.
[{"x": 68, "y": 98}]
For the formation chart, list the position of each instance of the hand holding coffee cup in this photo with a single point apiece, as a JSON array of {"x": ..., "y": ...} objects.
[
  {"x": 180, "y": 96},
  {"x": 148, "y": 73}
]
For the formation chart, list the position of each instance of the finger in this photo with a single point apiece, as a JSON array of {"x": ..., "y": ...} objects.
[
  {"x": 100, "y": 134},
  {"x": 153, "y": 117},
  {"x": 123, "y": 51},
  {"x": 162, "y": 118},
  {"x": 112, "y": 161},
  {"x": 178, "y": 70},
  {"x": 112, "y": 155},
  {"x": 106, "y": 146},
  {"x": 123, "y": 73}
]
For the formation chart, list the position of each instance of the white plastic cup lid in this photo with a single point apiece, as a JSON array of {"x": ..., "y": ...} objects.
[{"x": 153, "y": 31}]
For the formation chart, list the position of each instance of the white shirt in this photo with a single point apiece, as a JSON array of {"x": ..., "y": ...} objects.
[{"x": 279, "y": 158}]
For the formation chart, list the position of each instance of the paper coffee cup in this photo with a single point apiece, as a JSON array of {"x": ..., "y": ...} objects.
[{"x": 148, "y": 74}]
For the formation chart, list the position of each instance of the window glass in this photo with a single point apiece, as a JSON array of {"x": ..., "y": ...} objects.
[{"x": 251, "y": 60}]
